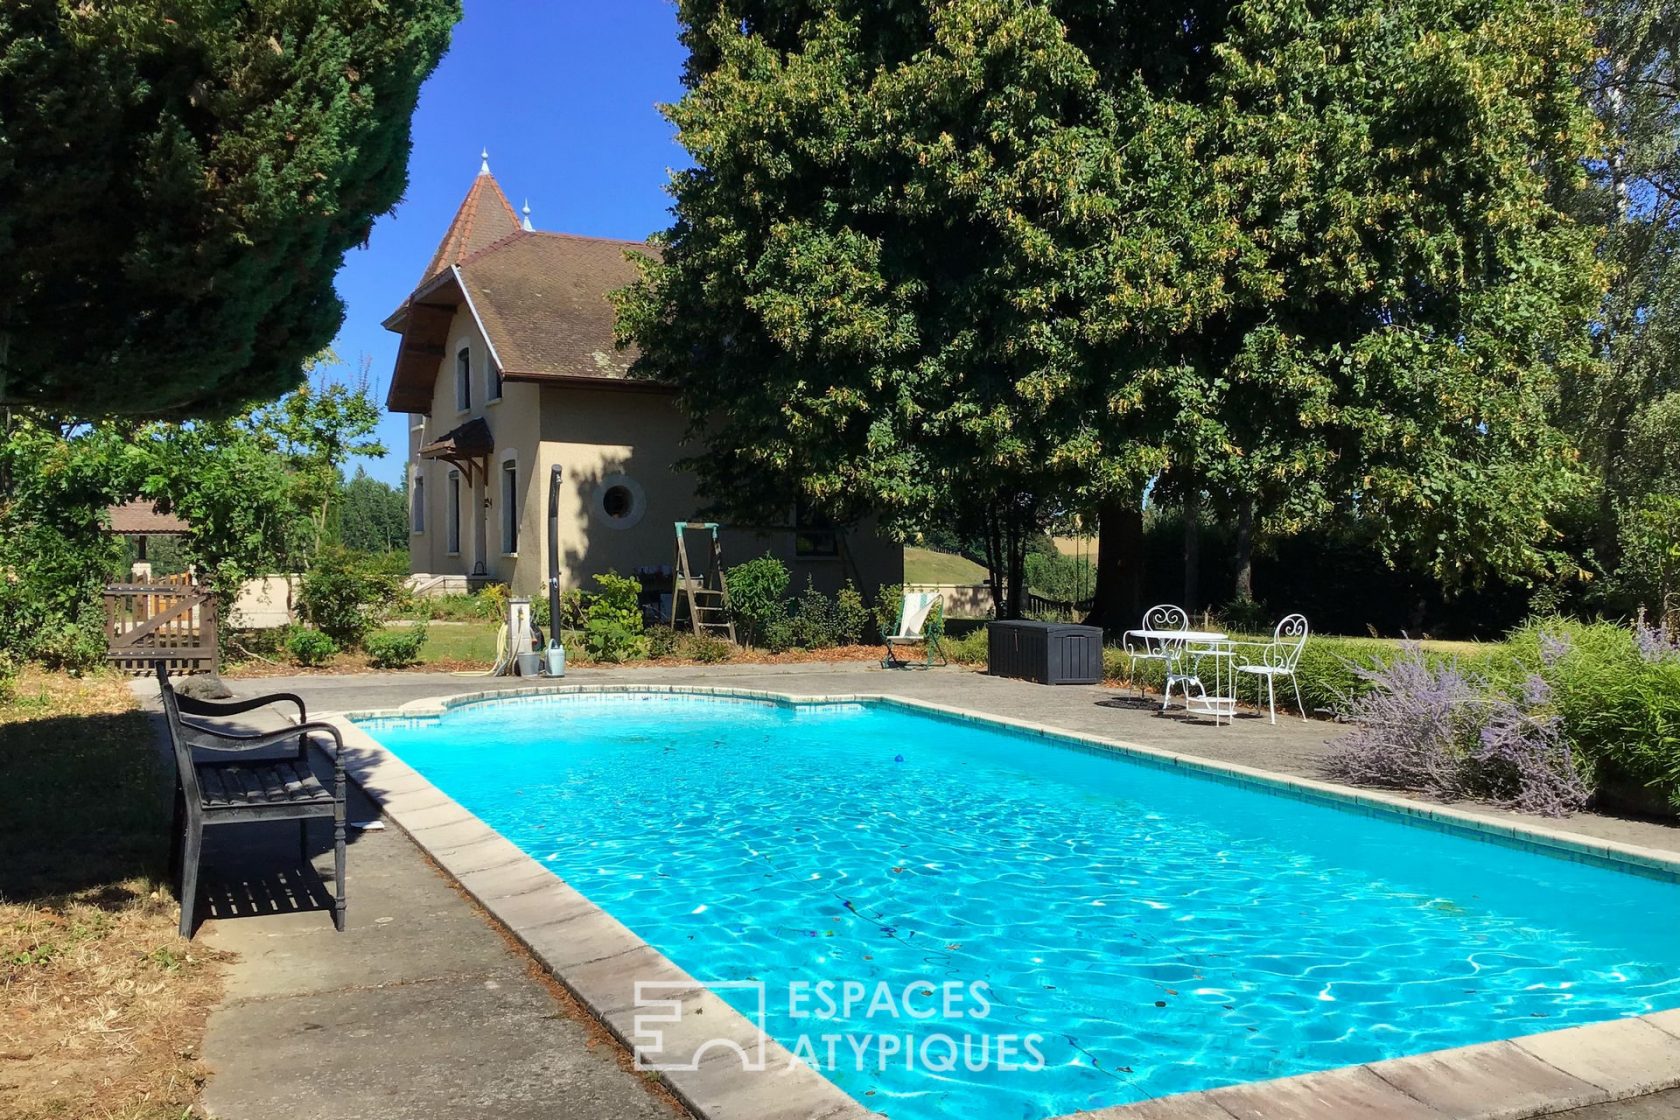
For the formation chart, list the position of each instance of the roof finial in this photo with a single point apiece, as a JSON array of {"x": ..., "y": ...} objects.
[
  {"x": 526, "y": 224},
  {"x": 484, "y": 167}
]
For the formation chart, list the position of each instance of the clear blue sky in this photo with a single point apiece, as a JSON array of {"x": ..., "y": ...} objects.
[{"x": 563, "y": 93}]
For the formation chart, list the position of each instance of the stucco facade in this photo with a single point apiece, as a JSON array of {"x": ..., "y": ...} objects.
[{"x": 507, "y": 370}]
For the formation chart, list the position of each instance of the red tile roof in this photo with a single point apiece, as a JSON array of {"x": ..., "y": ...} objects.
[
  {"x": 485, "y": 216},
  {"x": 541, "y": 298}
]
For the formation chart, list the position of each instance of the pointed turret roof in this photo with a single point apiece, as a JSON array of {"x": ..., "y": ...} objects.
[{"x": 485, "y": 217}]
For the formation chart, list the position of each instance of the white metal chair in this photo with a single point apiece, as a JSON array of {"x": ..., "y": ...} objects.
[
  {"x": 1163, "y": 616},
  {"x": 1278, "y": 658}
]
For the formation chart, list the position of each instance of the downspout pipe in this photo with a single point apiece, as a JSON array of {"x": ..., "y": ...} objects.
[{"x": 554, "y": 476}]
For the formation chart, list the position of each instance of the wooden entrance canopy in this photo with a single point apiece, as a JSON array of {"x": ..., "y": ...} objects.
[{"x": 468, "y": 448}]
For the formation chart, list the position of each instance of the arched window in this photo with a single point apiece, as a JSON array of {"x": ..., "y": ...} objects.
[{"x": 463, "y": 380}]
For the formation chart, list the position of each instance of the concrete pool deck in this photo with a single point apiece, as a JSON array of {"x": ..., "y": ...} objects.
[{"x": 582, "y": 947}]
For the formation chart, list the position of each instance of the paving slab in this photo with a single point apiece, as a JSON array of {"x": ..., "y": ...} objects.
[
  {"x": 1184, "y": 1106},
  {"x": 1495, "y": 1081},
  {"x": 1354, "y": 1093},
  {"x": 1625, "y": 1058},
  {"x": 1658, "y": 1106},
  {"x": 419, "y": 1051}
]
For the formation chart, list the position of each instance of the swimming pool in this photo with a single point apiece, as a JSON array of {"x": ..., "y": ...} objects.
[{"x": 1155, "y": 931}]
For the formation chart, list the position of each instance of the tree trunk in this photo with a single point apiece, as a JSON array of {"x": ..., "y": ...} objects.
[
  {"x": 1244, "y": 589},
  {"x": 1192, "y": 550},
  {"x": 995, "y": 565},
  {"x": 1417, "y": 616},
  {"x": 1116, "y": 603},
  {"x": 1015, "y": 543}
]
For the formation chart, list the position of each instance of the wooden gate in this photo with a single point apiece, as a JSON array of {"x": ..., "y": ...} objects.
[{"x": 173, "y": 622}]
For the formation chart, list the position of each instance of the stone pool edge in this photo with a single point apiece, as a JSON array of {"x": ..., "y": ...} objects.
[{"x": 599, "y": 960}]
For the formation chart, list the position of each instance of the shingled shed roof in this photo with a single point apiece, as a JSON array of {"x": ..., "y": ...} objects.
[
  {"x": 541, "y": 299},
  {"x": 471, "y": 440},
  {"x": 141, "y": 518}
]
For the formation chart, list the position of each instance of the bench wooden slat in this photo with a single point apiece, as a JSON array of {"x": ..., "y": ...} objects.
[{"x": 256, "y": 784}]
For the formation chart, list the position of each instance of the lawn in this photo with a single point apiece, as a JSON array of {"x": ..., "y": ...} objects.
[
  {"x": 926, "y": 565},
  {"x": 454, "y": 645},
  {"x": 102, "y": 1005}
]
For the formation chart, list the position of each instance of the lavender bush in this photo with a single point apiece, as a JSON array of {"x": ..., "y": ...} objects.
[
  {"x": 1416, "y": 725},
  {"x": 1522, "y": 760},
  {"x": 1434, "y": 729},
  {"x": 1655, "y": 643}
]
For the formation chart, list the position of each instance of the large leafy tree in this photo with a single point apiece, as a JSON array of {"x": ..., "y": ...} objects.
[
  {"x": 989, "y": 261},
  {"x": 179, "y": 183},
  {"x": 249, "y": 487},
  {"x": 1408, "y": 284},
  {"x": 906, "y": 246},
  {"x": 1626, "y": 418}
]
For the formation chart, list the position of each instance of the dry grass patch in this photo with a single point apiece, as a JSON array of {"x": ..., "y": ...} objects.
[{"x": 102, "y": 1005}]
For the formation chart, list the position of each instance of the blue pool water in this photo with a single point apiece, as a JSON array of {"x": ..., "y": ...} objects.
[{"x": 1157, "y": 931}]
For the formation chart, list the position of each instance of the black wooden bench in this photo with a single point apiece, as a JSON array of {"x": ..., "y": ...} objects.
[{"x": 227, "y": 789}]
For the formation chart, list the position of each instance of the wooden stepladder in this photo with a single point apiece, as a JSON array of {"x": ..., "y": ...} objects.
[{"x": 701, "y": 601}]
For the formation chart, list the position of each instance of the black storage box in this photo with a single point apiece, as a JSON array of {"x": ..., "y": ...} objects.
[{"x": 1046, "y": 652}]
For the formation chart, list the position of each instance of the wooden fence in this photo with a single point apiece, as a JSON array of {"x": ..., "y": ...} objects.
[{"x": 170, "y": 621}]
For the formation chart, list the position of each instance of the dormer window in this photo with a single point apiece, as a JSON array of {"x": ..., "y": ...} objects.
[{"x": 463, "y": 380}]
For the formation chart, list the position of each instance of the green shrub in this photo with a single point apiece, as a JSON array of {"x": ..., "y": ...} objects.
[
  {"x": 851, "y": 616},
  {"x": 396, "y": 649},
  {"x": 453, "y": 608},
  {"x": 662, "y": 643},
  {"x": 268, "y": 641},
  {"x": 758, "y": 601},
  {"x": 1247, "y": 616},
  {"x": 310, "y": 648},
  {"x": 1620, "y": 706},
  {"x": 571, "y": 609},
  {"x": 889, "y": 605},
  {"x": 970, "y": 649},
  {"x": 815, "y": 623},
  {"x": 74, "y": 645},
  {"x": 344, "y": 594},
  {"x": 778, "y": 636},
  {"x": 8, "y": 677},
  {"x": 612, "y": 622},
  {"x": 705, "y": 649},
  {"x": 1065, "y": 579}
]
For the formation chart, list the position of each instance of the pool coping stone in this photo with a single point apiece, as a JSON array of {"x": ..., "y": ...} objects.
[{"x": 599, "y": 960}]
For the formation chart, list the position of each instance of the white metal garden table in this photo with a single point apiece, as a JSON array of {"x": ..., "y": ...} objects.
[{"x": 1186, "y": 649}]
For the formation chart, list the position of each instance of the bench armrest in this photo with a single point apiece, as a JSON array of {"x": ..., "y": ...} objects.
[
  {"x": 196, "y": 707},
  {"x": 228, "y": 741}
]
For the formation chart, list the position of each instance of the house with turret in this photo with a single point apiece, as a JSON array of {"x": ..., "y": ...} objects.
[{"x": 507, "y": 369}]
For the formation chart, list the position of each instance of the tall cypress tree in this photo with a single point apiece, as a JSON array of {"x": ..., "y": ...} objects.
[{"x": 179, "y": 183}]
